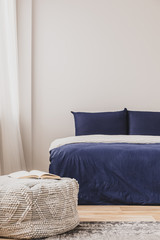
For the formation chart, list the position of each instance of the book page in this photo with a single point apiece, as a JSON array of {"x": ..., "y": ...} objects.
[
  {"x": 50, "y": 176},
  {"x": 37, "y": 172},
  {"x": 19, "y": 174},
  {"x": 42, "y": 174},
  {"x": 33, "y": 174}
]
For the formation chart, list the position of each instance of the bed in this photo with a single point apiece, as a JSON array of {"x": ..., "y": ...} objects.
[{"x": 110, "y": 169}]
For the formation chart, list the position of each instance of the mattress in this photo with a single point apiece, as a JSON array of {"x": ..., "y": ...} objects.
[{"x": 118, "y": 169}]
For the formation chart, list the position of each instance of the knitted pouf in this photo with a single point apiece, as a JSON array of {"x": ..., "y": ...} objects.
[{"x": 36, "y": 208}]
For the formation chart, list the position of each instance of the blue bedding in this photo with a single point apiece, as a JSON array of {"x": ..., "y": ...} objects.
[{"x": 111, "y": 173}]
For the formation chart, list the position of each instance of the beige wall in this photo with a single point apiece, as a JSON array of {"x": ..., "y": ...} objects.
[{"x": 91, "y": 55}]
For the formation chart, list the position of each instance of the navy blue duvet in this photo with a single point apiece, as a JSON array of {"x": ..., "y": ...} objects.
[{"x": 111, "y": 173}]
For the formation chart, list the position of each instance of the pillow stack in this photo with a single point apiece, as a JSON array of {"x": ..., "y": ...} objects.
[{"x": 117, "y": 123}]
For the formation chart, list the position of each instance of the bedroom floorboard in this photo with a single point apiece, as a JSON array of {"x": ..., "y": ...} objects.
[{"x": 118, "y": 213}]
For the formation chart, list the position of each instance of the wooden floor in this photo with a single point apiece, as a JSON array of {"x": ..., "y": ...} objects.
[{"x": 118, "y": 213}]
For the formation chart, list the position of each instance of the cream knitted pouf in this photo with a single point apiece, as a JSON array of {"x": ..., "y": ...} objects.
[{"x": 36, "y": 208}]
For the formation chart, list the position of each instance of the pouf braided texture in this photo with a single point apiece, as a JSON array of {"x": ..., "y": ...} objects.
[{"x": 36, "y": 208}]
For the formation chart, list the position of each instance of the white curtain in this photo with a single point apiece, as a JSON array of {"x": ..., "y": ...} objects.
[{"x": 11, "y": 151}]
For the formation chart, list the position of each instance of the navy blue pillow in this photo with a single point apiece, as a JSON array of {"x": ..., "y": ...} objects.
[
  {"x": 111, "y": 123},
  {"x": 144, "y": 123}
]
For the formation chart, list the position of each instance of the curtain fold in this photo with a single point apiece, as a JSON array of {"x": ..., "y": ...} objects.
[{"x": 11, "y": 150}]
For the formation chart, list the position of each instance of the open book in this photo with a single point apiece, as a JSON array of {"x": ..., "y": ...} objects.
[{"x": 34, "y": 174}]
